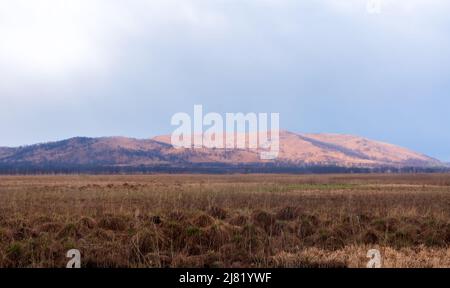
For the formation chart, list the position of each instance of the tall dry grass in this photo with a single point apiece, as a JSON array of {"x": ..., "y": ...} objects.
[{"x": 225, "y": 220}]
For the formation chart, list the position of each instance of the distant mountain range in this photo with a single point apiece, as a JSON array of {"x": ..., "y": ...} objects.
[{"x": 298, "y": 152}]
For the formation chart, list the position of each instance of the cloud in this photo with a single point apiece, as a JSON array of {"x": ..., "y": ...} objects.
[
  {"x": 111, "y": 67},
  {"x": 44, "y": 37},
  {"x": 53, "y": 42},
  {"x": 62, "y": 39}
]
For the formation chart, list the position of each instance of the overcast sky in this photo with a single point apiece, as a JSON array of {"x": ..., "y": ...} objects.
[{"x": 105, "y": 67}]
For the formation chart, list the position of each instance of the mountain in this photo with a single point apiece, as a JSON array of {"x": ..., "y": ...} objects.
[
  {"x": 157, "y": 154},
  {"x": 332, "y": 150},
  {"x": 88, "y": 151},
  {"x": 5, "y": 151}
]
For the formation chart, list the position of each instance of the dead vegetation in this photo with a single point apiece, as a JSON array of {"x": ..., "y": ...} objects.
[{"x": 225, "y": 221}]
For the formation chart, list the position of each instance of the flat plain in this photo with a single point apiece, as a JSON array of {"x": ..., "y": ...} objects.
[{"x": 225, "y": 220}]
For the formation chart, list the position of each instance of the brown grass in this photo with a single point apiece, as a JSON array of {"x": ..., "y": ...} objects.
[{"x": 225, "y": 221}]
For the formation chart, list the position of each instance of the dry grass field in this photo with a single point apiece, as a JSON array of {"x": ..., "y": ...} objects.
[{"x": 225, "y": 220}]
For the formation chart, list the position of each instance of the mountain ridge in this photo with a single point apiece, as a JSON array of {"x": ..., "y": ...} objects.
[{"x": 296, "y": 150}]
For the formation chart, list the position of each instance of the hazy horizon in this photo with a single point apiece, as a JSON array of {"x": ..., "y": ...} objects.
[{"x": 107, "y": 68}]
